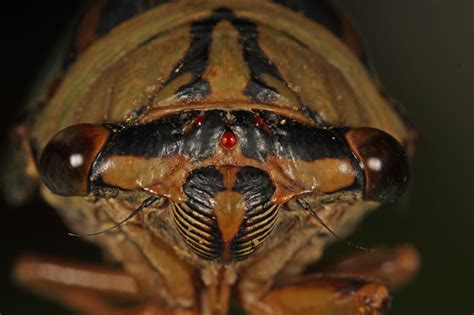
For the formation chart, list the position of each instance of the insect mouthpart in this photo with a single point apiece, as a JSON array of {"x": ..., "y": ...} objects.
[{"x": 227, "y": 214}]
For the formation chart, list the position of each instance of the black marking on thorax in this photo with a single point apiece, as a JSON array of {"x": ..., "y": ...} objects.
[
  {"x": 196, "y": 58},
  {"x": 258, "y": 62}
]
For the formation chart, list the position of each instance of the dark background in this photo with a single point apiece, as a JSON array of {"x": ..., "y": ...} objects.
[{"x": 422, "y": 51}]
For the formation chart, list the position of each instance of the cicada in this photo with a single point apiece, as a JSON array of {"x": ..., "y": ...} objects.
[{"x": 213, "y": 149}]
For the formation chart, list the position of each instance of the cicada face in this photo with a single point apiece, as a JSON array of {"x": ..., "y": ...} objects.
[
  {"x": 226, "y": 172},
  {"x": 226, "y": 126}
]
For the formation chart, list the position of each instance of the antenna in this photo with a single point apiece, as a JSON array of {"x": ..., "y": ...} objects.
[
  {"x": 146, "y": 203},
  {"x": 303, "y": 204}
]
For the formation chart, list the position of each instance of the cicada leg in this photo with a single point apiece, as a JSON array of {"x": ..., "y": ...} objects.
[
  {"x": 323, "y": 295},
  {"x": 391, "y": 266},
  {"x": 87, "y": 288},
  {"x": 353, "y": 285}
]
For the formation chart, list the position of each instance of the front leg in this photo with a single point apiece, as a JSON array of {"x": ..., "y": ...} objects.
[
  {"x": 322, "y": 295},
  {"x": 352, "y": 285},
  {"x": 89, "y": 289},
  {"x": 393, "y": 267}
]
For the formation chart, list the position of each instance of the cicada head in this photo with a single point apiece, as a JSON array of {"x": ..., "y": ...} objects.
[{"x": 225, "y": 173}]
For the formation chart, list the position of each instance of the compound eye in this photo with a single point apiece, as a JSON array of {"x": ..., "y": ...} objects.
[
  {"x": 384, "y": 162},
  {"x": 66, "y": 160}
]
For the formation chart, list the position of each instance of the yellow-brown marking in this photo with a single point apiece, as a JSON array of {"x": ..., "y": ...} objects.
[
  {"x": 227, "y": 72},
  {"x": 159, "y": 175},
  {"x": 230, "y": 207},
  {"x": 323, "y": 175}
]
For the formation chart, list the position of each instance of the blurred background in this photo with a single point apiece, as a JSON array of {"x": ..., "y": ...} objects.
[{"x": 423, "y": 52}]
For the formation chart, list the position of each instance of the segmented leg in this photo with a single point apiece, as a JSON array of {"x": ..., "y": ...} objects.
[
  {"x": 391, "y": 266},
  {"x": 352, "y": 285},
  {"x": 87, "y": 288},
  {"x": 323, "y": 295}
]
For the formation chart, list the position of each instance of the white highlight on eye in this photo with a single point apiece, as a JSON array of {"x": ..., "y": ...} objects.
[
  {"x": 76, "y": 160},
  {"x": 374, "y": 164},
  {"x": 344, "y": 168}
]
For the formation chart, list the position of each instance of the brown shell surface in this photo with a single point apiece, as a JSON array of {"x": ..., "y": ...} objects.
[
  {"x": 126, "y": 77},
  {"x": 124, "y": 72}
]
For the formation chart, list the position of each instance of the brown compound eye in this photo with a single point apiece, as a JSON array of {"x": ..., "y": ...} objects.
[
  {"x": 384, "y": 162},
  {"x": 66, "y": 160}
]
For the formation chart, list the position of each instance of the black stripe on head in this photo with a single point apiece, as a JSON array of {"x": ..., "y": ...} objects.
[
  {"x": 292, "y": 139},
  {"x": 159, "y": 138},
  {"x": 167, "y": 136},
  {"x": 202, "y": 141},
  {"x": 255, "y": 143},
  {"x": 175, "y": 135}
]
